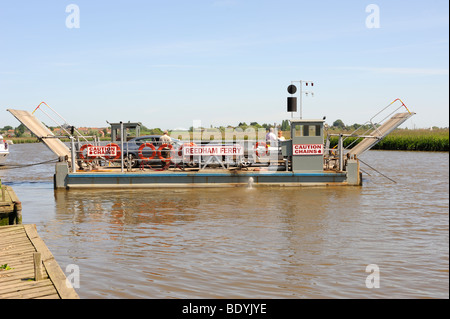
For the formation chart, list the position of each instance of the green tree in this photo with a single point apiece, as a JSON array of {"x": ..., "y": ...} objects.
[
  {"x": 255, "y": 125},
  {"x": 285, "y": 126},
  {"x": 243, "y": 125},
  {"x": 156, "y": 131},
  {"x": 18, "y": 131},
  {"x": 339, "y": 124}
]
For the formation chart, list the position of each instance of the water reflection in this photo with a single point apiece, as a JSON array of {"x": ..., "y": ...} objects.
[
  {"x": 242, "y": 233},
  {"x": 125, "y": 207}
]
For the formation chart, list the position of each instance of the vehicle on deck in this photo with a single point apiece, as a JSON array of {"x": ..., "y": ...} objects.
[{"x": 148, "y": 148}]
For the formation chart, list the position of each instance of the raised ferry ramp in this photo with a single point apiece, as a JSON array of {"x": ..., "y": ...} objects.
[
  {"x": 379, "y": 133},
  {"x": 42, "y": 132}
]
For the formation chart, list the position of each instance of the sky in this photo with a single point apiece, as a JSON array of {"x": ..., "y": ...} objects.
[{"x": 171, "y": 64}]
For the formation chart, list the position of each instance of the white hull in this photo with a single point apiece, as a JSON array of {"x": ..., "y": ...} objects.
[
  {"x": 4, "y": 152},
  {"x": 3, "y": 157}
]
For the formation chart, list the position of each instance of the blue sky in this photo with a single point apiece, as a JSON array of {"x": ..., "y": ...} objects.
[{"x": 169, "y": 63}]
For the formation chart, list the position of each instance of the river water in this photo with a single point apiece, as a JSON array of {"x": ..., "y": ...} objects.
[{"x": 249, "y": 243}]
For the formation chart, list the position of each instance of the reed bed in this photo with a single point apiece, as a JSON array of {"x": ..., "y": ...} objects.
[
  {"x": 409, "y": 140},
  {"x": 22, "y": 140}
]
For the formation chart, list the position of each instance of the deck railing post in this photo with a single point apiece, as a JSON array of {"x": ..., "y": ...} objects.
[
  {"x": 72, "y": 141},
  {"x": 121, "y": 146}
]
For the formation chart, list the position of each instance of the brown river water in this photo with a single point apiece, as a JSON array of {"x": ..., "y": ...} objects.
[{"x": 249, "y": 243}]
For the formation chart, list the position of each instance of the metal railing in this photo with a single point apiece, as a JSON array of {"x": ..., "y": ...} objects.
[{"x": 374, "y": 126}]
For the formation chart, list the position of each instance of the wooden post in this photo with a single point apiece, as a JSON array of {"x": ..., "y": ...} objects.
[
  {"x": 18, "y": 213},
  {"x": 37, "y": 266}
]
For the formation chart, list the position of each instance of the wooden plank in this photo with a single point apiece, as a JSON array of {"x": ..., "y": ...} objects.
[
  {"x": 16, "y": 276},
  {"x": 17, "y": 259},
  {"x": 54, "y": 296},
  {"x": 15, "y": 247},
  {"x": 30, "y": 293},
  {"x": 18, "y": 264},
  {"x": 11, "y": 236},
  {"x": 55, "y": 273},
  {"x": 16, "y": 251},
  {"x": 23, "y": 245},
  {"x": 8, "y": 229},
  {"x": 14, "y": 287},
  {"x": 11, "y": 231},
  {"x": 8, "y": 247}
]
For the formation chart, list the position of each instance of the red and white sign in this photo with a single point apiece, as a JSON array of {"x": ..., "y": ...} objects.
[
  {"x": 93, "y": 151},
  {"x": 307, "y": 149},
  {"x": 214, "y": 150}
]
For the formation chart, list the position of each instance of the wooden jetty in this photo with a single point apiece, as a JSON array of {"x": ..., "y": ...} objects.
[
  {"x": 28, "y": 269},
  {"x": 10, "y": 206}
]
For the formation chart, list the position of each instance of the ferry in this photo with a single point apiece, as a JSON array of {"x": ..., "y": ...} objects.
[
  {"x": 193, "y": 160},
  {"x": 4, "y": 150}
]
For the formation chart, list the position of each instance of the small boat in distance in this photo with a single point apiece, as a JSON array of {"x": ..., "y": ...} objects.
[{"x": 4, "y": 150}]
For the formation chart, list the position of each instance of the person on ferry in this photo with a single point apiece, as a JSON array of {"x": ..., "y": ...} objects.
[
  {"x": 271, "y": 138},
  {"x": 165, "y": 138}
]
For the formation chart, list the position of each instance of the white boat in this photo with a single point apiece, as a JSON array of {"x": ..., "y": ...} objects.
[{"x": 4, "y": 150}]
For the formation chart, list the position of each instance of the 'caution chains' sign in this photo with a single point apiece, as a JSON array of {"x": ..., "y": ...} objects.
[{"x": 307, "y": 149}]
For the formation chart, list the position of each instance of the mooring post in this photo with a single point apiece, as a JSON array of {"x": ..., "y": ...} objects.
[
  {"x": 3, "y": 192},
  {"x": 17, "y": 213},
  {"x": 37, "y": 266}
]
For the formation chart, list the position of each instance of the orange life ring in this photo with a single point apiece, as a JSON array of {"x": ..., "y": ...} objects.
[
  {"x": 141, "y": 156},
  {"x": 163, "y": 146},
  {"x": 263, "y": 144},
  {"x": 117, "y": 152},
  {"x": 87, "y": 158}
]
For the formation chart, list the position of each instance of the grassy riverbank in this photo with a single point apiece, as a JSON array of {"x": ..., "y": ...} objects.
[{"x": 22, "y": 140}]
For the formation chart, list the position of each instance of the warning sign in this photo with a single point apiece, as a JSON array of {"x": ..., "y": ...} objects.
[
  {"x": 93, "y": 151},
  {"x": 307, "y": 149}
]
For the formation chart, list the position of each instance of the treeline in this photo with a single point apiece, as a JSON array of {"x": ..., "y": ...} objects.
[
  {"x": 241, "y": 125},
  {"x": 340, "y": 126},
  {"x": 18, "y": 131},
  {"x": 433, "y": 139}
]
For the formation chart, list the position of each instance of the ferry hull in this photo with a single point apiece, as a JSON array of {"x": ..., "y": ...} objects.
[{"x": 205, "y": 178}]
